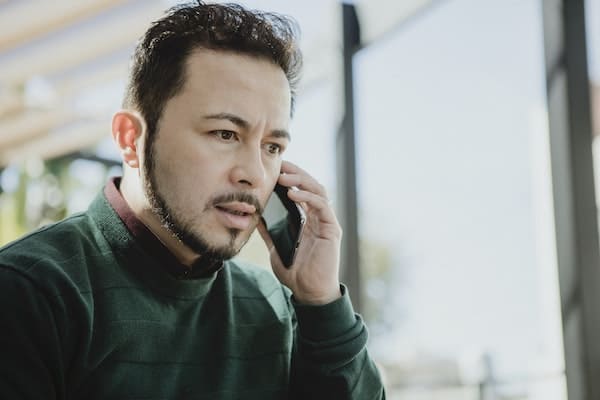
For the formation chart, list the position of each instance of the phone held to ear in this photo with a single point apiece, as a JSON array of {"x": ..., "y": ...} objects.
[{"x": 285, "y": 221}]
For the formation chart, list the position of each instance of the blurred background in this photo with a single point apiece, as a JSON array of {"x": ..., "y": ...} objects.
[{"x": 456, "y": 137}]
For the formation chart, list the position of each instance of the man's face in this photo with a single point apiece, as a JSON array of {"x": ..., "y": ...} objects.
[{"x": 217, "y": 151}]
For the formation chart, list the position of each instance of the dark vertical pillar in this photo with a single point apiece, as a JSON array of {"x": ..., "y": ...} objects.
[
  {"x": 569, "y": 117},
  {"x": 346, "y": 164}
]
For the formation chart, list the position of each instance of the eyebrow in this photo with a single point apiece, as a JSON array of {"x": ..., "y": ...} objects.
[{"x": 242, "y": 123}]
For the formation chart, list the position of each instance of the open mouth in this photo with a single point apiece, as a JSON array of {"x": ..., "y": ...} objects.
[
  {"x": 233, "y": 212},
  {"x": 236, "y": 215}
]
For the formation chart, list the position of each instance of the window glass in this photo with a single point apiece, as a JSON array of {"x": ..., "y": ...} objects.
[{"x": 456, "y": 217}]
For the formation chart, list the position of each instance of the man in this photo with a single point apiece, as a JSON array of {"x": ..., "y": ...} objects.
[{"x": 137, "y": 298}]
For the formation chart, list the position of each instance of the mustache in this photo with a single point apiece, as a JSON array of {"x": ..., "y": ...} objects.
[{"x": 242, "y": 197}]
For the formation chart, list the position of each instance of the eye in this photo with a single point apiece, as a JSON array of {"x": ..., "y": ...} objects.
[
  {"x": 224, "y": 135},
  {"x": 274, "y": 148}
]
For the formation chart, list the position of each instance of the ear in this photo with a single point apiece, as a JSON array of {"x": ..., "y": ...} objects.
[{"x": 127, "y": 127}]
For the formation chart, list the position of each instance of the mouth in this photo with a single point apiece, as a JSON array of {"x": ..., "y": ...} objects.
[
  {"x": 233, "y": 212},
  {"x": 236, "y": 215},
  {"x": 237, "y": 208}
]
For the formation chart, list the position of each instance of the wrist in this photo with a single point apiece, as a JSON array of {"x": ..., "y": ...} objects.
[
  {"x": 325, "y": 322},
  {"x": 317, "y": 299}
]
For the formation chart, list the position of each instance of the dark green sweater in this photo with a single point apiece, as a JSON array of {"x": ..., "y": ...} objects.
[{"x": 86, "y": 313}]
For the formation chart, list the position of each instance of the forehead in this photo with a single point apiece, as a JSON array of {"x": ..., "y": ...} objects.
[{"x": 220, "y": 81}]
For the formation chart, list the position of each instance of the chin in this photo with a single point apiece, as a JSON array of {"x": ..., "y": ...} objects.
[{"x": 224, "y": 245}]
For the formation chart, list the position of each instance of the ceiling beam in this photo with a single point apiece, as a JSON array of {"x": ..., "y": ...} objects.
[
  {"x": 31, "y": 125},
  {"x": 31, "y": 20},
  {"x": 68, "y": 141},
  {"x": 90, "y": 43}
]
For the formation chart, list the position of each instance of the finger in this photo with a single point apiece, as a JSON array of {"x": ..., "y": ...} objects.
[
  {"x": 293, "y": 175},
  {"x": 305, "y": 182},
  {"x": 314, "y": 202},
  {"x": 289, "y": 167}
]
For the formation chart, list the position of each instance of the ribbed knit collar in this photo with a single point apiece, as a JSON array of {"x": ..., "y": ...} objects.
[{"x": 151, "y": 244}]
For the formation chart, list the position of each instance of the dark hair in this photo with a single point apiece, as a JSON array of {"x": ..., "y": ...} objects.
[{"x": 158, "y": 66}]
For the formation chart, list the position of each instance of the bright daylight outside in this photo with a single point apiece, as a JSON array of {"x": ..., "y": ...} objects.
[{"x": 455, "y": 211}]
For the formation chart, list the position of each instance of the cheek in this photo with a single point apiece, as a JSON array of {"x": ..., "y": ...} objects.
[
  {"x": 271, "y": 180},
  {"x": 273, "y": 171},
  {"x": 186, "y": 175},
  {"x": 273, "y": 168},
  {"x": 190, "y": 161}
]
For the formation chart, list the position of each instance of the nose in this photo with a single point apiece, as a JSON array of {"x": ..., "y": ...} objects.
[{"x": 249, "y": 170}]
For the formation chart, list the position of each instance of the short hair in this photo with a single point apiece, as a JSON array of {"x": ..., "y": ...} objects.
[{"x": 158, "y": 67}]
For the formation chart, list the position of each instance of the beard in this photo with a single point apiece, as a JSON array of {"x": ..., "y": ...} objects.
[{"x": 180, "y": 227}]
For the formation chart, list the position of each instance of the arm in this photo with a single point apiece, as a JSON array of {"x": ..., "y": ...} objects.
[
  {"x": 30, "y": 363},
  {"x": 330, "y": 359}
]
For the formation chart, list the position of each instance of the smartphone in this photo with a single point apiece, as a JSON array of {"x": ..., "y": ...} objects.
[{"x": 285, "y": 221}]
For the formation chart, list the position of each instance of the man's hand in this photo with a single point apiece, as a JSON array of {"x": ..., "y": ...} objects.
[{"x": 314, "y": 276}]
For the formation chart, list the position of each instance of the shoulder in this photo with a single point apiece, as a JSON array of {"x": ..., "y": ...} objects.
[
  {"x": 50, "y": 257},
  {"x": 50, "y": 241},
  {"x": 45, "y": 303}
]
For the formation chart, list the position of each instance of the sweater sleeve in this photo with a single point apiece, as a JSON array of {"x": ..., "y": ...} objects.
[
  {"x": 31, "y": 366},
  {"x": 330, "y": 358}
]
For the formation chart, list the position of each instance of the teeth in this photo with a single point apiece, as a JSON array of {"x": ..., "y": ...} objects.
[{"x": 234, "y": 212}]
